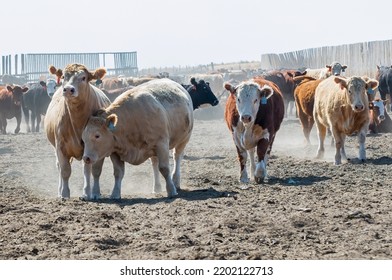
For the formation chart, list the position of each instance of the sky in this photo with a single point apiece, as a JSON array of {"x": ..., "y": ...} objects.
[{"x": 167, "y": 33}]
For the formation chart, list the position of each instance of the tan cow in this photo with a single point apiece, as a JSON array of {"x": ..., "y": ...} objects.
[
  {"x": 67, "y": 114},
  {"x": 144, "y": 122},
  {"x": 341, "y": 104}
]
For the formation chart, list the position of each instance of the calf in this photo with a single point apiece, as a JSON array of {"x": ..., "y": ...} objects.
[
  {"x": 144, "y": 122},
  {"x": 341, "y": 104},
  {"x": 254, "y": 112},
  {"x": 11, "y": 99}
]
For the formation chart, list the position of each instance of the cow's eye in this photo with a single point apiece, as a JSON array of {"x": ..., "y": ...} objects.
[
  {"x": 83, "y": 78},
  {"x": 238, "y": 100},
  {"x": 254, "y": 102},
  {"x": 97, "y": 136}
]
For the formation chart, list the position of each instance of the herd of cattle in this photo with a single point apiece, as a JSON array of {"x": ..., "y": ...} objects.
[{"x": 88, "y": 116}]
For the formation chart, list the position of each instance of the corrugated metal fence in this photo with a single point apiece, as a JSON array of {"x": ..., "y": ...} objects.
[
  {"x": 361, "y": 58},
  {"x": 33, "y": 66}
]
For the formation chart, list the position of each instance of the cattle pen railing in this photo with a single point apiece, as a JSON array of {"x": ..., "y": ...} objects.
[
  {"x": 32, "y": 66},
  {"x": 361, "y": 58}
]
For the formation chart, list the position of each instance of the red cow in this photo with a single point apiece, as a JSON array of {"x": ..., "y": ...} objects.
[
  {"x": 254, "y": 113},
  {"x": 11, "y": 106}
]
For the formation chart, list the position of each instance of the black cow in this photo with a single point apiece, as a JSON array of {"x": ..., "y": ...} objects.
[
  {"x": 384, "y": 78},
  {"x": 201, "y": 93},
  {"x": 37, "y": 100}
]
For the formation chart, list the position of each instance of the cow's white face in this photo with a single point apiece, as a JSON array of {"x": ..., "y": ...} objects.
[
  {"x": 98, "y": 139},
  {"x": 51, "y": 87},
  {"x": 336, "y": 68},
  {"x": 74, "y": 82},
  {"x": 381, "y": 109},
  {"x": 249, "y": 97}
]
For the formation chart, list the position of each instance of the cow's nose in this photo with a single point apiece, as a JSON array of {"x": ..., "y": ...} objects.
[
  {"x": 216, "y": 102},
  {"x": 69, "y": 89},
  {"x": 382, "y": 117},
  {"x": 86, "y": 159},
  {"x": 358, "y": 107},
  {"x": 246, "y": 118}
]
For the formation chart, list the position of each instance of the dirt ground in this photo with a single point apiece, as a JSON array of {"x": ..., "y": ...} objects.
[{"x": 307, "y": 209}]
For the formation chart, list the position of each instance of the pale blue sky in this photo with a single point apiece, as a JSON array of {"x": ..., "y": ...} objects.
[{"x": 184, "y": 32}]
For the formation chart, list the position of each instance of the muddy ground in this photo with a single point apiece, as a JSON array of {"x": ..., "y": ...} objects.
[{"x": 308, "y": 209}]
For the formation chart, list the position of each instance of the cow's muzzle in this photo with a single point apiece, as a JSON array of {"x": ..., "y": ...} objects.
[{"x": 246, "y": 118}]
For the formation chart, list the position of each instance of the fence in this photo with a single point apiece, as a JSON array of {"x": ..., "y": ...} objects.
[
  {"x": 361, "y": 58},
  {"x": 33, "y": 66}
]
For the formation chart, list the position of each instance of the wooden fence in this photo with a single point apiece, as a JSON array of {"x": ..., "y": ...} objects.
[{"x": 360, "y": 58}]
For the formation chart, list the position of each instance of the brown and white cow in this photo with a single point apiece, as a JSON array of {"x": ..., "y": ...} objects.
[
  {"x": 11, "y": 98},
  {"x": 254, "y": 113},
  {"x": 66, "y": 116},
  {"x": 144, "y": 122},
  {"x": 304, "y": 101},
  {"x": 341, "y": 104}
]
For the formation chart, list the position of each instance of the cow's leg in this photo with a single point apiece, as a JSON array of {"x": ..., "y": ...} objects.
[
  {"x": 178, "y": 154},
  {"x": 262, "y": 154},
  {"x": 87, "y": 178},
  {"x": 26, "y": 113},
  {"x": 242, "y": 158},
  {"x": 96, "y": 171},
  {"x": 251, "y": 153},
  {"x": 3, "y": 125},
  {"x": 164, "y": 168},
  {"x": 157, "y": 187},
  {"x": 304, "y": 119},
  {"x": 361, "y": 142},
  {"x": 343, "y": 149},
  {"x": 338, "y": 145},
  {"x": 64, "y": 166},
  {"x": 119, "y": 171},
  {"x": 18, "y": 120},
  {"x": 33, "y": 117},
  {"x": 37, "y": 125},
  {"x": 321, "y": 132}
]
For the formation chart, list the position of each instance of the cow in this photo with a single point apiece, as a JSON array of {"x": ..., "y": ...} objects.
[
  {"x": 144, "y": 122},
  {"x": 215, "y": 81},
  {"x": 110, "y": 83},
  {"x": 304, "y": 101},
  {"x": 380, "y": 121},
  {"x": 114, "y": 93},
  {"x": 37, "y": 100},
  {"x": 67, "y": 114},
  {"x": 335, "y": 69},
  {"x": 11, "y": 99},
  {"x": 201, "y": 93},
  {"x": 254, "y": 112},
  {"x": 384, "y": 78},
  {"x": 341, "y": 105},
  {"x": 284, "y": 80}
]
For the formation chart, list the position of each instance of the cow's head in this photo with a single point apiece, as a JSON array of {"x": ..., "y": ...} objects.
[
  {"x": 202, "y": 94},
  {"x": 97, "y": 136},
  {"x": 336, "y": 68},
  {"x": 17, "y": 94},
  {"x": 249, "y": 97},
  {"x": 356, "y": 90},
  {"x": 378, "y": 107},
  {"x": 50, "y": 86},
  {"x": 76, "y": 79}
]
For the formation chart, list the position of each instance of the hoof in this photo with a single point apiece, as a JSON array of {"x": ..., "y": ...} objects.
[{"x": 259, "y": 180}]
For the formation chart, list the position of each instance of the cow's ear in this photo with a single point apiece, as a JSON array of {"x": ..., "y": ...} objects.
[
  {"x": 341, "y": 81},
  {"x": 193, "y": 81},
  {"x": 98, "y": 74},
  {"x": 230, "y": 88},
  {"x": 52, "y": 69},
  {"x": 111, "y": 122},
  {"x": 42, "y": 83},
  {"x": 373, "y": 84},
  {"x": 344, "y": 67},
  {"x": 25, "y": 89},
  {"x": 9, "y": 88},
  {"x": 266, "y": 92},
  {"x": 329, "y": 67}
]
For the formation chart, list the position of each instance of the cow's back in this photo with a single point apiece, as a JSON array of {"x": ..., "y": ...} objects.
[{"x": 158, "y": 108}]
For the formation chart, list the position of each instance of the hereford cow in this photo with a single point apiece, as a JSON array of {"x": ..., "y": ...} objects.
[
  {"x": 11, "y": 99},
  {"x": 380, "y": 121},
  {"x": 36, "y": 100},
  {"x": 201, "y": 93},
  {"x": 144, "y": 122},
  {"x": 384, "y": 78},
  {"x": 341, "y": 104},
  {"x": 254, "y": 113},
  {"x": 335, "y": 69},
  {"x": 304, "y": 101},
  {"x": 67, "y": 114}
]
